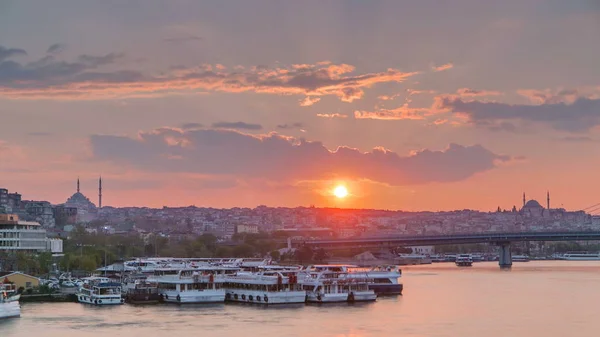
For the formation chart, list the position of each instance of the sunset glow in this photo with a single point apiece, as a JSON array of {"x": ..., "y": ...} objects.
[
  {"x": 340, "y": 191},
  {"x": 197, "y": 108}
]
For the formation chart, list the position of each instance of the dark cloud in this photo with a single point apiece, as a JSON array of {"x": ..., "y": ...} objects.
[
  {"x": 237, "y": 125},
  {"x": 9, "y": 52},
  {"x": 52, "y": 78},
  {"x": 276, "y": 157},
  {"x": 56, "y": 48},
  {"x": 581, "y": 115},
  {"x": 96, "y": 61},
  {"x": 188, "y": 126},
  {"x": 48, "y": 71},
  {"x": 290, "y": 126}
]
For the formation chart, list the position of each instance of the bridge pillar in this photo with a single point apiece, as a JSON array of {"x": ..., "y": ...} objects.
[
  {"x": 505, "y": 258},
  {"x": 289, "y": 243}
]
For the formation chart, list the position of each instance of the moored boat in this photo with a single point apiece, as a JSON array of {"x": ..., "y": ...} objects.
[
  {"x": 329, "y": 287},
  {"x": 9, "y": 301},
  {"x": 100, "y": 291},
  {"x": 265, "y": 287},
  {"x": 142, "y": 292},
  {"x": 191, "y": 285}
]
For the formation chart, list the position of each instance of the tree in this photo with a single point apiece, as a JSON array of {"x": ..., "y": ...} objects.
[
  {"x": 275, "y": 255},
  {"x": 304, "y": 254}
]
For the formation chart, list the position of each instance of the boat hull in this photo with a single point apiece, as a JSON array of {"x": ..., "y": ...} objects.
[
  {"x": 262, "y": 297},
  {"x": 207, "y": 296},
  {"x": 10, "y": 309},
  {"x": 100, "y": 300},
  {"x": 387, "y": 289},
  {"x": 464, "y": 264},
  {"x": 359, "y": 296},
  {"x": 142, "y": 298}
]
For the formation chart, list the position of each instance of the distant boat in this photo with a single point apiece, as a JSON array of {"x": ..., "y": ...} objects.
[
  {"x": 520, "y": 258},
  {"x": 464, "y": 260},
  {"x": 580, "y": 256}
]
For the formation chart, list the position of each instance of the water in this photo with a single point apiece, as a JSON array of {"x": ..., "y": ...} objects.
[{"x": 538, "y": 298}]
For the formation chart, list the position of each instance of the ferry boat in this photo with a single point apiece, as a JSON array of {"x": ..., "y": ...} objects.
[
  {"x": 100, "y": 291},
  {"x": 385, "y": 279},
  {"x": 142, "y": 292},
  {"x": 329, "y": 287},
  {"x": 464, "y": 260},
  {"x": 265, "y": 287},
  {"x": 9, "y": 301},
  {"x": 580, "y": 256},
  {"x": 191, "y": 285},
  {"x": 520, "y": 258}
]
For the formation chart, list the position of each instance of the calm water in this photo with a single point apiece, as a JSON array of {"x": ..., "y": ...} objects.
[{"x": 547, "y": 298}]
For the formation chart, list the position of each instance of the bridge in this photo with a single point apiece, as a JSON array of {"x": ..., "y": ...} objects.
[{"x": 502, "y": 240}]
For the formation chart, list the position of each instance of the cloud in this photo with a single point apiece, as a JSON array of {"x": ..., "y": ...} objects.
[
  {"x": 51, "y": 78},
  {"x": 280, "y": 158},
  {"x": 290, "y": 126},
  {"x": 466, "y": 92},
  {"x": 569, "y": 96},
  {"x": 188, "y": 126},
  {"x": 56, "y": 48},
  {"x": 334, "y": 115},
  {"x": 581, "y": 115},
  {"x": 443, "y": 67},
  {"x": 402, "y": 112},
  {"x": 237, "y": 125},
  {"x": 309, "y": 100},
  {"x": 10, "y": 52}
]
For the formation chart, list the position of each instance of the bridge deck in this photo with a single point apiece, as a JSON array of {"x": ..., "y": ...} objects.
[{"x": 433, "y": 240}]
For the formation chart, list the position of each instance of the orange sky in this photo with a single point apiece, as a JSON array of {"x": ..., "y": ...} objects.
[{"x": 414, "y": 106}]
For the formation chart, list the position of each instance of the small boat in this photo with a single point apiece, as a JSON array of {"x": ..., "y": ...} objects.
[
  {"x": 464, "y": 260},
  {"x": 100, "y": 291},
  {"x": 580, "y": 256},
  {"x": 142, "y": 292},
  {"x": 9, "y": 301}
]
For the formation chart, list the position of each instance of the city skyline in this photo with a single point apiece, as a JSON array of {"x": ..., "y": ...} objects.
[{"x": 410, "y": 106}]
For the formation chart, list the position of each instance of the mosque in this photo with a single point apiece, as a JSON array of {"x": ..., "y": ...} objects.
[
  {"x": 85, "y": 208},
  {"x": 532, "y": 208}
]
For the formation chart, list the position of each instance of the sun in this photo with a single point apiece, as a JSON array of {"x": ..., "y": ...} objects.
[{"x": 340, "y": 191}]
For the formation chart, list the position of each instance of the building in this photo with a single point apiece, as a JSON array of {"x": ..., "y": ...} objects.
[
  {"x": 251, "y": 229},
  {"x": 20, "y": 280},
  {"x": 25, "y": 236}
]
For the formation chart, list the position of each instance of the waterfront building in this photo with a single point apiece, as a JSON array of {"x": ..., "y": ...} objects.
[
  {"x": 25, "y": 236},
  {"x": 20, "y": 280}
]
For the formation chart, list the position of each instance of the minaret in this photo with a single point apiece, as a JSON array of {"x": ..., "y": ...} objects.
[
  {"x": 524, "y": 199},
  {"x": 100, "y": 192},
  {"x": 548, "y": 199},
  {"x": 77, "y": 184}
]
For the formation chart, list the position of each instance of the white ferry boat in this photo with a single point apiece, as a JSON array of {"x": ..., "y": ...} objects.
[
  {"x": 9, "y": 301},
  {"x": 329, "y": 287},
  {"x": 100, "y": 291},
  {"x": 464, "y": 260},
  {"x": 385, "y": 279},
  {"x": 265, "y": 287},
  {"x": 520, "y": 258},
  {"x": 191, "y": 285},
  {"x": 581, "y": 256}
]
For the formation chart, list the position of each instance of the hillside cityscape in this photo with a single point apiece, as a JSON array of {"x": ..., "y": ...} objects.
[{"x": 189, "y": 222}]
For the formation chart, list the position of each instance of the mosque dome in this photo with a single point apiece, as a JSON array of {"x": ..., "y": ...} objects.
[
  {"x": 532, "y": 204},
  {"x": 80, "y": 201}
]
